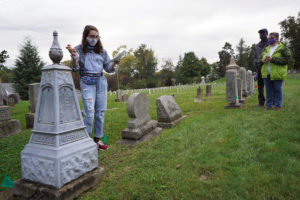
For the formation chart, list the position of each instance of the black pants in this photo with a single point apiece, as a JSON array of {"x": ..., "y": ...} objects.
[{"x": 260, "y": 83}]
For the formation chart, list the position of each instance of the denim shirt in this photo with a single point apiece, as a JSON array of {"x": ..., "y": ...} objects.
[{"x": 91, "y": 62}]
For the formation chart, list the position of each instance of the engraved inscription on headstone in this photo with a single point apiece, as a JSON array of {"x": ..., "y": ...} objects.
[
  {"x": 67, "y": 107},
  {"x": 46, "y": 106}
]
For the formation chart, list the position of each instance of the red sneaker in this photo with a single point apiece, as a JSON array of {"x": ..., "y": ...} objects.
[
  {"x": 277, "y": 109},
  {"x": 101, "y": 146}
]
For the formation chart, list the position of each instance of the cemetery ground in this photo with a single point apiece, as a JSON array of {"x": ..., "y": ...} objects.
[{"x": 215, "y": 153}]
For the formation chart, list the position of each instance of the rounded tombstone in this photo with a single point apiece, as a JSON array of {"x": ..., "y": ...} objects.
[
  {"x": 137, "y": 105},
  {"x": 12, "y": 99}
]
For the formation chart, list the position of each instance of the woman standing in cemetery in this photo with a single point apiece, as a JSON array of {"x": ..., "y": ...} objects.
[
  {"x": 90, "y": 58},
  {"x": 275, "y": 58}
]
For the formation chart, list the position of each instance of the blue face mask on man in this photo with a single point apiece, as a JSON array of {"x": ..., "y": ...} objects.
[
  {"x": 92, "y": 42},
  {"x": 271, "y": 41}
]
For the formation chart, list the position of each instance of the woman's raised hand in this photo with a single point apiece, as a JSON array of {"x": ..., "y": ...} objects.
[{"x": 71, "y": 50}]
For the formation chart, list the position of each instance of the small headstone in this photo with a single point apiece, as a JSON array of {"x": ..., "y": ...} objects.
[
  {"x": 125, "y": 97},
  {"x": 202, "y": 81},
  {"x": 249, "y": 82},
  {"x": 208, "y": 90},
  {"x": 240, "y": 96},
  {"x": 140, "y": 126},
  {"x": 168, "y": 112},
  {"x": 8, "y": 126},
  {"x": 243, "y": 81},
  {"x": 10, "y": 96},
  {"x": 118, "y": 96},
  {"x": 199, "y": 95},
  {"x": 252, "y": 90}
]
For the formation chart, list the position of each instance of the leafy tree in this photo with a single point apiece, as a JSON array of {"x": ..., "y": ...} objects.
[
  {"x": 167, "y": 73},
  {"x": 224, "y": 56},
  {"x": 242, "y": 56},
  {"x": 6, "y": 75},
  {"x": 145, "y": 62},
  {"x": 190, "y": 68},
  {"x": 3, "y": 56},
  {"x": 28, "y": 68},
  {"x": 250, "y": 58},
  {"x": 290, "y": 30}
]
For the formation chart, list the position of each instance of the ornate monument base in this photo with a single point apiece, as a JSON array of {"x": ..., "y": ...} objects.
[{"x": 24, "y": 189}]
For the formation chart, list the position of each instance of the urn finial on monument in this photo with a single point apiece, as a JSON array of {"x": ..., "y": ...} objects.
[{"x": 55, "y": 53}]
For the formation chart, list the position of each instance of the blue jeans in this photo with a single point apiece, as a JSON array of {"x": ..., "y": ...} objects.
[
  {"x": 273, "y": 90},
  {"x": 94, "y": 99}
]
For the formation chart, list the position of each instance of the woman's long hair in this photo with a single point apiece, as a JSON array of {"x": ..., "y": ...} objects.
[{"x": 98, "y": 47}]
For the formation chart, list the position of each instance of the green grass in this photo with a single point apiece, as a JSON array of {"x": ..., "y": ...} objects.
[{"x": 248, "y": 153}]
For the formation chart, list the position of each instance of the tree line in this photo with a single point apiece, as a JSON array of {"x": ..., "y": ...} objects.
[{"x": 139, "y": 67}]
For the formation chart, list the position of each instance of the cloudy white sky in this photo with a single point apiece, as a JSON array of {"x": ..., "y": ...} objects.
[{"x": 169, "y": 27}]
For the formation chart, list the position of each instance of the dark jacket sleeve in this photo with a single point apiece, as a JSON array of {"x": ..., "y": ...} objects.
[{"x": 284, "y": 59}]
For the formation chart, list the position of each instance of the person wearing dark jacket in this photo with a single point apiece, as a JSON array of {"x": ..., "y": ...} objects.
[{"x": 263, "y": 34}]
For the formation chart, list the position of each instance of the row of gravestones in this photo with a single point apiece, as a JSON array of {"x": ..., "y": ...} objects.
[
  {"x": 239, "y": 84},
  {"x": 60, "y": 160}
]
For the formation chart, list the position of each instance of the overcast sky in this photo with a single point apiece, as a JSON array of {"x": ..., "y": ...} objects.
[{"x": 169, "y": 27}]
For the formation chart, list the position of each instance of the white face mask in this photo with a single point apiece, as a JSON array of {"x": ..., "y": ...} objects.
[{"x": 92, "y": 42}]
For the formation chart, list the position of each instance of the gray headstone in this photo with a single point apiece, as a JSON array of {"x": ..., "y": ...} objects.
[
  {"x": 168, "y": 112},
  {"x": 8, "y": 126},
  {"x": 232, "y": 89},
  {"x": 33, "y": 96},
  {"x": 139, "y": 123},
  {"x": 240, "y": 95},
  {"x": 199, "y": 95},
  {"x": 249, "y": 81},
  {"x": 118, "y": 96},
  {"x": 243, "y": 81},
  {"x": 59, "y": 150},
  {"x": 8, "y": 91},
  {"x": 208, "y": 90},
  {"x": 202, "y": 81},
  {"x": 125, "y": 98}
]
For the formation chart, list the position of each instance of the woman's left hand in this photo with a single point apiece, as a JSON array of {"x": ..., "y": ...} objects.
[{"x": 117, "y": 62}]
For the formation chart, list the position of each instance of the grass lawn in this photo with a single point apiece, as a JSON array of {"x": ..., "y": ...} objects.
[{"x": 215, "y": 153}]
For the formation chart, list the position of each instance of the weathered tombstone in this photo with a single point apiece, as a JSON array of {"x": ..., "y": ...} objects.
[
  {"x": 239, "y": 81},
  {"x": 232, "y": 89},
  {"x": 168, "y": 112},
  {"x": 10, "y": 96},
  {"x": 140, "y": 127},
  {"x": 125, "y": 98},
  {"x": 202, "y": 81},
  {"x": 208, "y": 90},
  {"x": 61, "y": 160},
  {"x": 33, "y": 96},
  {"x": 199, "y": 95},
  {"x": 249, "y": 81},
  {"x": 8, "y": 126},
  {"x": 118, "y": 96},
  {"x": 244, "y": 81},
  {"x": 252, "y": 85},
  {"x": 240, "y": 92}
]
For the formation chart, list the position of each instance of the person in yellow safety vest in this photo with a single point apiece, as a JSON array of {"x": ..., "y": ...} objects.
[{"x": 274, "y": 58}]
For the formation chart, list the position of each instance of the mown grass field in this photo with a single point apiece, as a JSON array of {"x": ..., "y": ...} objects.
[{"x": 215, "y": 153}]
